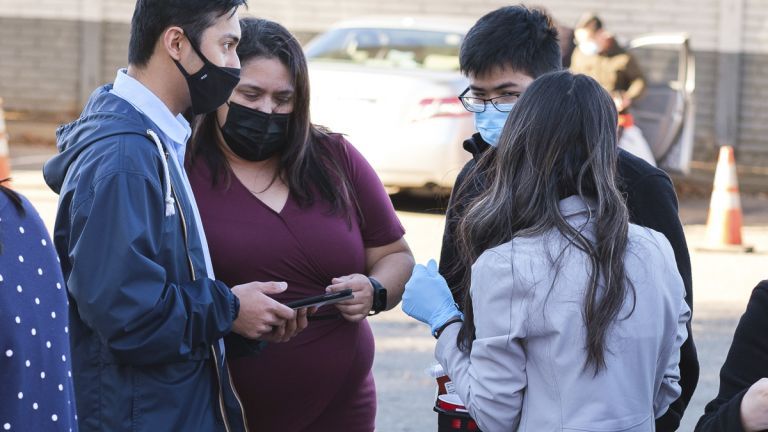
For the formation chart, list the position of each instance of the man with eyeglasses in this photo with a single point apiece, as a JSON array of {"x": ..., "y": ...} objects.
[{"x": 501, "y": 55}]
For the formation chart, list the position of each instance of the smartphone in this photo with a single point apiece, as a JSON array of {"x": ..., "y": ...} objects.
[{"x": 321, "y": 300}]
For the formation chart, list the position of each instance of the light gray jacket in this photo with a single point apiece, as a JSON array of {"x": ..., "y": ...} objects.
[{"x": 526, "y": 368}]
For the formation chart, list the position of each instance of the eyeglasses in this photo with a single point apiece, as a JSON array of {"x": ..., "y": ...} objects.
[{"x": 477, "y": 105}]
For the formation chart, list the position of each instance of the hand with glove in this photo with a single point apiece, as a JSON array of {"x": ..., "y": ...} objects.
[{"x": 428, "y": 298}]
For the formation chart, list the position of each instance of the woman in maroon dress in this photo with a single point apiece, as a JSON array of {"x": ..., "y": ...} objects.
[{"x": 282, "y": 200}]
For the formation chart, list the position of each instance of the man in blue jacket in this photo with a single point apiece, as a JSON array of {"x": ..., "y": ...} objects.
[{"x": 147, "y": 315}]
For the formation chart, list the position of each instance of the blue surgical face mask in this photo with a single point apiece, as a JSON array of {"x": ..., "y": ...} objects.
[{"x": 491, "y": 122}]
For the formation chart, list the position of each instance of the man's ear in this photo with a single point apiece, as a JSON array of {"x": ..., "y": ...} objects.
[{"x": 173, "y": 40}]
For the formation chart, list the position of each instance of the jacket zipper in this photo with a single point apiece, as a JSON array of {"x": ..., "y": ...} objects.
[
  {"x": 221, "y": 390},
  {"x": 239, "y": 402},
  {"x": 192, "y": 273},
  {"x": 184, "y": 232}
]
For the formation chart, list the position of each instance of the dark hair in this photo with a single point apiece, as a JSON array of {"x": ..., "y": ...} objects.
[
  {"x": 559, "y": 141},
  {"x": 15, "y": 200},
  {"x": 590, "y": 21},
  {"x": 523, "y": 39},
  {"x": 13, "y": 196},
  {"x": 306, "y": 165},
  {"x": 152, "y": 17}
]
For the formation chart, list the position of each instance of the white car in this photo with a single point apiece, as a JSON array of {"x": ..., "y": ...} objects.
[{"x": 391, "y": 85}]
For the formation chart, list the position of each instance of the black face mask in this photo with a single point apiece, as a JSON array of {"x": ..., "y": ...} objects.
[
  {"x": 210, "y": 87},
  {"x": 253, "y": 135}
]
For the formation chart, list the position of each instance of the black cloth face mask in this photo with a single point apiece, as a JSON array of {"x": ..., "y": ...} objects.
[
  {"x": 211, "y": 86},
  {"x": 253, "y": 135}
]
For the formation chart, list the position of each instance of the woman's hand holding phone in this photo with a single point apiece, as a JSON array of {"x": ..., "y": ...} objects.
[{"x": 356, "y": 308}]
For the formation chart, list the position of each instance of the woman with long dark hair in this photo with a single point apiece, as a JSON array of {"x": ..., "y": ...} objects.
[
  {"x": 284, "y": 200},
  {"x": 574, "y": 317}
]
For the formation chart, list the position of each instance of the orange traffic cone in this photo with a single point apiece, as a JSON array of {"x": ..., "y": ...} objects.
[
  {"x": 5, "y": 163},
  {"x": 725, "y": 217}
]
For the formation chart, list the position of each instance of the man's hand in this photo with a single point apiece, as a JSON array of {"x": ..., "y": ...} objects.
[
  {"x": 291, "y": 328},
  {"x": 357, "y": 308},
  {"x": 259, "y": 314},
  {"x": 754, "y": 407}
]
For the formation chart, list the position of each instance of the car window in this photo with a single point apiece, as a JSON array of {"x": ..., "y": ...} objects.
[
  {"x": 389, "y": 48},
  {"x": 659, "y": 63}
]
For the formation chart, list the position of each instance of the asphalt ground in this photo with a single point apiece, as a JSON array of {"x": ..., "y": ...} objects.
[{"x": 722, "y": 284}]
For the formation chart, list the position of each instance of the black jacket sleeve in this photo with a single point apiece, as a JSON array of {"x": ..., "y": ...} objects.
[
  {"x": 451, "y": 266},
  {"x": 653, "y": 204},
  {"x": 747, "y": 362}
]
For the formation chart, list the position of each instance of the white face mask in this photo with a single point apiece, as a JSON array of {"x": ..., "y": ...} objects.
[{"x": 589, "y": 48}]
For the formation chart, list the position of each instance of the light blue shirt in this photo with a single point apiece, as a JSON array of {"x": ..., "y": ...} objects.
[{"x": 175, "y": 127}]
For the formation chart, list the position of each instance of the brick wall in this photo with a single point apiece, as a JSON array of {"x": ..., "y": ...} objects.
[
  {"x": 753, "y": 124},
  {"x": 115, "y": 48},
  {"x": 40, "y": 55},
  {"x": 39, "y": 63},
  {"x": 49, "y": 9},
  {"x": 631, "y": 17}
]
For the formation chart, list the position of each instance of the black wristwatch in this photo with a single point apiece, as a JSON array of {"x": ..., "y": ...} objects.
[
  {"x": 379, "y": 297},
  {"x": 439, "y": 331}
]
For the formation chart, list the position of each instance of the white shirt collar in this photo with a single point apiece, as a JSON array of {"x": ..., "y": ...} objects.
[{"x": 175, "y": 127}]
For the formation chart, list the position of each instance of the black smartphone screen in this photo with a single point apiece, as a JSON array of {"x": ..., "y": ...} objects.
[{"x": 321, "y": 300}]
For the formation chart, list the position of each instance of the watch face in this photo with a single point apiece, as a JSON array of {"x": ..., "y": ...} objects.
[
  {"x": 379, "y": 296},
  {"x": 380, "y": 302}
]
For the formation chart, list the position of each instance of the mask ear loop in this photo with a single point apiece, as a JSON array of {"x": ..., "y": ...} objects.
[
  {"x": 222, "y": 136},
  {"x": 216, "y": 118},
  {"x": 177, "y": 63},
  {"x": 195, "y": 48}
]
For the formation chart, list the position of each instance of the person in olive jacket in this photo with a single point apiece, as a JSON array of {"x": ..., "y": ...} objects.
[
  {"x": 600, "y": 56},
  {"x": 741, "y": 404}
]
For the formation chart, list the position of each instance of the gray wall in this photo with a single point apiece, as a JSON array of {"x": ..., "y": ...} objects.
[
  {"x": 53, "y": 52},
  {"x": 39, "y": 63}
]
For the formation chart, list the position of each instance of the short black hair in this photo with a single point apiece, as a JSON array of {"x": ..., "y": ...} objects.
[
  {"x": 590, "y": 21},
  {"x": 15, "y": 200},
  {"x": 523, "y": 39},
  {"x": 152, "y": 17}
]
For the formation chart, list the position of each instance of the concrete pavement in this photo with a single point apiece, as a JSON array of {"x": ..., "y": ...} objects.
[{"x": 722, "y": 284}]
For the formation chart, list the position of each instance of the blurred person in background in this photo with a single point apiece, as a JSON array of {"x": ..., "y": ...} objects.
[
  {"x": 741, "y": 404},
  {"x": 37, "y": 392},
  {"x": 501, "y": 56},
  {"x": 564, "y": 37},
  {"x": 600, "y": 56},
  {"x": 282, "y": 199}
]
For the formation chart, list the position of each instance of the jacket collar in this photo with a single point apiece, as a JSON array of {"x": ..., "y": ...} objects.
[
  {"x": 177, "y": 128},
  {"x": 476, "y": 146},
  {"x": 574, "y": 205}
]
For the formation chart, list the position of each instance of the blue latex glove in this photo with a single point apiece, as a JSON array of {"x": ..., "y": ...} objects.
[{"x": 428, "y": 298}]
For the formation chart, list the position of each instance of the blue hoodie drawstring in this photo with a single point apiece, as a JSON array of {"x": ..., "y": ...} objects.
[{"x": 170, "y": 203}]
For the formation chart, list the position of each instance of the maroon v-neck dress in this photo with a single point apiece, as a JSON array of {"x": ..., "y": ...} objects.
[{"x": 321, "y": 380}]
